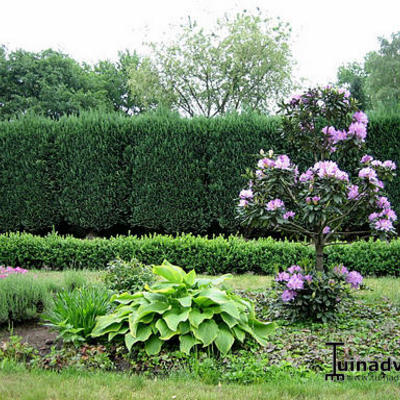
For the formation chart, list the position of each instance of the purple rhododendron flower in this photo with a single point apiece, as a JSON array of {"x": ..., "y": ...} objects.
[
  {"x": 275, "y": 204},
  {"x": 288, "y": 295},
  {"x": 359, "y": 130},
  {"x": 316, "y": 199},
  {"x": 282, "y": 162},
  {"x": 296, "y": 281},
  {"x": 389, "y": 213},
  {"x": 294, "y": 268},
  {"x": 307, "y": 176},
  {"x": 289, "y": 214},
  {"x": 341, "y": 269},
  {"x": 383, "y": 225},
  {"x": 353, "y": 192},
  {"x": 243, "y": 203},
  {"x": 354, "y": 278},
  {"x": 373, "y": 216},
  {"x": 308, "y": 200},
  {"x": 246, "y": 194},
  {"x": 389, "y": 165},
  {"x": 308, "y": 278},
  {"x": 366, "y": 159},
  {"x": 259, "y": 174},
  {"x": 377, "y": 163},
  {"x": 361, "y": 117},
  {"x": 339, "y": 136},
  {"x": 266, "y": 162},
  {"x": 367, "y": 173},
  {"x": 329, "y": 169},
  {"x": 326, "y": 230},
  {"x": 383, "y": 202},
  {"x": 282, "y": 276}
]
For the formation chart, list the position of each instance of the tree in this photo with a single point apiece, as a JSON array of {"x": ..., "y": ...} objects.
[
  {"x": 383, "y": 68},
  {"x": 353, "y": 77},
  {"x": 324, "y": 203},
  {"x": 48, "y": 83},
  {"x": 243, "y": 62}
]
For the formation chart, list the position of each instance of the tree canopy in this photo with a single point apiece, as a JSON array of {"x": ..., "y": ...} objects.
[{"x": 244, "y": 62}]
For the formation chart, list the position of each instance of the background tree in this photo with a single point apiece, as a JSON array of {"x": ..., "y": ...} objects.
[
  {"x": 353, "y": 77},
  {"x": 243, "y": 62},
  {"x": 383, "y": 69}
]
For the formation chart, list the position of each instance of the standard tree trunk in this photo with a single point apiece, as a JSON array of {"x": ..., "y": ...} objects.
[{"x": 319, "y": 251}]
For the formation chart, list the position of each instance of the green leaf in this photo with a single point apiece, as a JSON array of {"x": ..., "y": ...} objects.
[
  {"x": 143, "y": 332},
  {"x": 186, "y": 343},
  {"x": 230, "y": 309},
  {"x": 206, "y": 332},
  {"x": 174, "y": 316},
  {"x": 153, "y": 346},
  {"x": 224, "y": 340},
  {"x": 190, "y": 278},
  {"x": 185, "y": 301},
  {"x": 184, "y": 327},
  {"x": 156, "y": 307},
  {"x": 196, "y": 317},
  {"x": 230, "y": 321},
  {"x": 165, "y": 332},
  {"x": 240, "y": 335},
  {"x": 129, "y": 341},
  {"x": 211, "y": 296},
  {"x": 169, "y": 272}
]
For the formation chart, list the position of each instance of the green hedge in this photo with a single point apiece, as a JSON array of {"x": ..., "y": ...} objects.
[
  {"x": 155, "y": 172},
  {"x": 212, "y": 256}
]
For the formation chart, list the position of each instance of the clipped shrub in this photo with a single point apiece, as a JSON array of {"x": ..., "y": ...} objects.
[
  {"x": 22, "y": 297},
  {"x": 127, "y": 276},
  {"x": 74, "y": 313},
  {"x": 181, "y": 306},
  {"x": 212, "y": 256}
]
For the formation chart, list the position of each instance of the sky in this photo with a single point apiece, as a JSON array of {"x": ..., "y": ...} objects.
[{"x": 326, "y": 34}]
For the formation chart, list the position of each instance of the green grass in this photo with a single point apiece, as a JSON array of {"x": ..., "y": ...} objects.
[{"x": 16, "y": 383}]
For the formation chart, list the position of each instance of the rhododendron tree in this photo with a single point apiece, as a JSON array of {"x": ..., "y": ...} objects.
[{"x": 322, "y": 202}]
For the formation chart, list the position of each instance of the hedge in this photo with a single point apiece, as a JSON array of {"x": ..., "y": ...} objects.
[
  {"x": 157, "y": 172},
  {"x": 212, "y": 256}
]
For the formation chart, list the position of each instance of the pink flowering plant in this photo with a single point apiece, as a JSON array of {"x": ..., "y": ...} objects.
[
  {"x": 320, "y": 202},
  {"x": 306, "y": 294},
  {"x": 7, "y": 271}
]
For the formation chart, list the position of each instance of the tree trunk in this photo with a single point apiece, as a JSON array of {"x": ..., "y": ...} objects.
[{"x": 319, "y": 252}]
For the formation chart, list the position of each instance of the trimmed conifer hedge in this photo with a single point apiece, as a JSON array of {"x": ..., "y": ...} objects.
[{"x": 155, "y": 172}]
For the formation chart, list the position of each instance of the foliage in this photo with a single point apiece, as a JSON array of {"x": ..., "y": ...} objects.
[
  {"x": 212, "y": 256},
  {"x": 324, "y": 203},
  {"x": 17, "y": 351},
  {"x": 383, "y": 68},
  {"x": 93, "y": 173},
  {"x": 74, "y": 313},
  {"x": 242, "y": 62},
  {"x": 353, "y": 77},
  {"x": 307, "y": 294},
  {"x": 181, "y": 306},
  {"x": 22, "y": 297},
  {"x": 127, "y": 276}
]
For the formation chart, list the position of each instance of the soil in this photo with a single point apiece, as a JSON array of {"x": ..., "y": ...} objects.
[{"x": 38, "y": 336}]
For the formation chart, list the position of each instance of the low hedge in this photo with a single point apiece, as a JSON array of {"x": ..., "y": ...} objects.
[{"x": 212, "y": 256}]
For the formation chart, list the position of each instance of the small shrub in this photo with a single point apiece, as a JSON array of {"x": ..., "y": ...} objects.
[
  {"x": 181, "y": 306},
  {"x": 317, "y": 295},
  {"x": 122, "y": 276},
  {"x": 74, "y": 313},
  {"x": 22, "y": 297}
]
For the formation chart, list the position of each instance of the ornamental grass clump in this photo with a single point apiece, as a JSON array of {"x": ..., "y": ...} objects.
[
  {"x": 184, "y": 310},
  {"x": 307, "y": 294}
]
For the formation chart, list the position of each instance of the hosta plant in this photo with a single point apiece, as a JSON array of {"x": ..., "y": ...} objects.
[{"x": 182, "y": 308}]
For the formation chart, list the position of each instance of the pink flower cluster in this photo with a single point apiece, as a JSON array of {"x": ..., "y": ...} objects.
[
  {"x": 294, "y": 280},
  {"x": 245, "y": 195},
  {"x": 383, "y": 220},
  {"x": 329, "y": 169},
  {"x": 275, "y": 204},
  {"x": 281, "y": 162},
  {"x": 354, "y": 278},
  {"x": 7, "y": 271}
]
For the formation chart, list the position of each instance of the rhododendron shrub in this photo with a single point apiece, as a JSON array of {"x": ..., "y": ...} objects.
[
  {"x": 321, "y": 201},
  {"x": 304, "y": 293}
]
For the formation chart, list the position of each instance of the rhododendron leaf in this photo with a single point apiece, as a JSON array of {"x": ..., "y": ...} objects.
[
  {"x": 186, "y": 343},
  {"x": 174, "y": 316},
  {"x": 169, "y": 272},
  {"x": 224, "y": 340},
  {"x": 206, "y": 332},
  {"x": 153, "y": 345}
]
